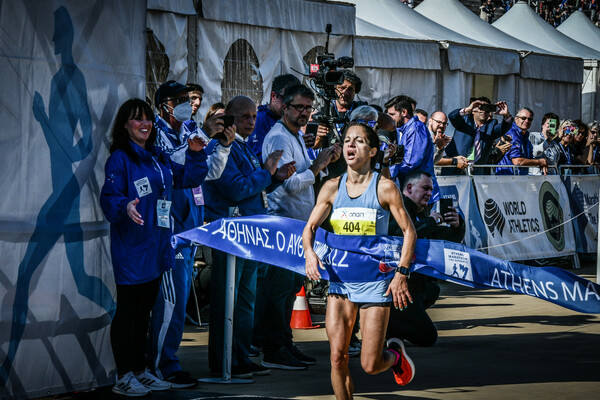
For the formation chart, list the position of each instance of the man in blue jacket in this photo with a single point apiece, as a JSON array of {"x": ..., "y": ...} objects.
[
  {"x": 168, "y": 315},
  {"x": 269, "y": 114},
  {"x": 475, "y": 133},
  {"x": 243, "y": 184},
  {"x": 414, "y": 136}
]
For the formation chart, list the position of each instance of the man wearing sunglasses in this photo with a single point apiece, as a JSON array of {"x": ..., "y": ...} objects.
[{"x": 521, "y": 151}]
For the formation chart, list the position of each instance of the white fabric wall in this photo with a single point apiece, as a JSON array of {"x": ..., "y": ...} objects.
[
  {"x": 65, "y": 343},
  {"x": 381, "y": 84},
  {"x": 542, "y": 97},
  {"x": 456, "y": 87},
  {"x": 277, "y": 50},
  {"x": 172, "y": 31}
]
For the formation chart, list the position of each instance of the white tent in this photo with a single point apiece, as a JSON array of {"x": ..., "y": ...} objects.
[
  {"x": 579, "y": 27},
  {"x": 380, "y": 59},
  {"x": 278, "y": 36},
  {"x": 547, "y": 69},
  {"x": 462, "y": 56},
  {"x": 523, "y": 23}
]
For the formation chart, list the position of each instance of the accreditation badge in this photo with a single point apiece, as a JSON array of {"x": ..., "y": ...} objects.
[
  {"x": 163, "y": 213},
  {"x": 354, "y": 221},
  {"x": 198, "y": 196}
]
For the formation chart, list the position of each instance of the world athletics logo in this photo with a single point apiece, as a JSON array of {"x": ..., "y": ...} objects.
[
  {"x": 552, "y": 216},
  {"x": 493, "y": 217}
]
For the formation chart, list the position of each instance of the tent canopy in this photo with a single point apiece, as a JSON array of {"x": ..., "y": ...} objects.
[
  {"x": 464, "y": 53},
  {"x": 579, "y": 27},
  {"x": 524, "y": 24}
]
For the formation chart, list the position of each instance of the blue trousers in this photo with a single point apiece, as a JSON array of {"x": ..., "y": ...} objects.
[
  {"x": 168, "y": 315},
  {"x": 243, "y": 311}
]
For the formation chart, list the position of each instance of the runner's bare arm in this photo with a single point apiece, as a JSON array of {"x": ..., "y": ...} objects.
[
  {"x": 390, "y": 198},
  {"x": 317, "y": 216}
]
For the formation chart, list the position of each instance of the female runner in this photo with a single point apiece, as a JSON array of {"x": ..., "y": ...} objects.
[{"x": 376, "y": 196}]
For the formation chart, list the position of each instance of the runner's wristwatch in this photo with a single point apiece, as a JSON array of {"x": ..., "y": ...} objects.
[{"x": 403, "y": 270}]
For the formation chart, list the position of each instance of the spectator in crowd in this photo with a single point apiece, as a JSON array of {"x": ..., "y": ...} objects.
[
  {"x": 242, "y": 184},
  {"x": 567, "y": 132},
  {"x": 544, "y": 145},
  {"x": 196, "y": 93},
  {"x": 361, "y": 191},
  {"x": 269, "y": 114},
  {"x": 136, "y": 198},
  {"x": 487, "y": 11},
  {"x": 475, "y": 133},
  {"x": 295, "y": 198},
  {"x": 579, "y": 141},
  {"x": 437, "y": 126},
  {"x": 422, "y": 114},
  {"x": 217, "y": 108},
  {"x": 413, "y": 323},
  {"x": 521, "y": 151},
  {"x": 168, "y": 315},
  {"x": 591, "y": 154},
  {"x": 418, "y": 146}
]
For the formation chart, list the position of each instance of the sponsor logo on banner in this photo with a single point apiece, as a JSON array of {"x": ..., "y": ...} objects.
[
  {"x": 458, "y": 264},
  {"x": 493, "y": 217},
  {"x": 552, "y": 216}
]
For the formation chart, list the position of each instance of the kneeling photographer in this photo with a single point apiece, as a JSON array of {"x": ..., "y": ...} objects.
[{"x": 413, "y": 323}]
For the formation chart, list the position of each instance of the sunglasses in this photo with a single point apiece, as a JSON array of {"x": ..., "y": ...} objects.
[{"x": 524, "y": 118}]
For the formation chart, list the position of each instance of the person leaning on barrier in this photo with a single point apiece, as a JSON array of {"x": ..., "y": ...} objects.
[
  {"x": 475, "y": 134},
  {"x": 521, "y": 151},
  {"x": 591, "y": 153},
  {"x": 567, "y": 131},
  {"x": 242, "y": 184},
  {"x": 579, "y": 141},
  {"x": 413, "y": 323},
  {"x": 544, "y": 144}
]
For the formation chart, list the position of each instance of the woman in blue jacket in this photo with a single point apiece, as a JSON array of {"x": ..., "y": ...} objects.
[{"x": 135, "y": 198}]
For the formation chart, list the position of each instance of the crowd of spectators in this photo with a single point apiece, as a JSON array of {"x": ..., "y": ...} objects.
[
  {"x": 263, "y": 160},
  {"x": 555, "y": 12}
]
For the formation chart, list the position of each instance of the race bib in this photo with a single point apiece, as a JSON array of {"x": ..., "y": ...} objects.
[{"x": 354, "y": 221}]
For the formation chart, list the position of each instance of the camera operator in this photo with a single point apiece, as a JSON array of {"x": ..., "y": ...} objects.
[{"x": 341, "y": 108}]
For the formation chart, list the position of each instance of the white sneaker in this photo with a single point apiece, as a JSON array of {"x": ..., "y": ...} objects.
[
  {"x": 129, "y": 386},
  {"x": 151, "y": 382}
]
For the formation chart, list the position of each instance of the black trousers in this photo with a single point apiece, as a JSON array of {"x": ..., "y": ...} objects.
[{"x": 129, "y": 328}]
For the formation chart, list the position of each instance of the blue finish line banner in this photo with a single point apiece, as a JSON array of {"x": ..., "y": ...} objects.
[{"x": 278, "y": 241}]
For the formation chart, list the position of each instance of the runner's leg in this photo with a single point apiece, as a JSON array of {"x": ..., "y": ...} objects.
[{"x": 340, "y": 317}]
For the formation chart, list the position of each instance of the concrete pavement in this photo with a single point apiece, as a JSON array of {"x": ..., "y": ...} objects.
[{"x": 492, "y": 344}]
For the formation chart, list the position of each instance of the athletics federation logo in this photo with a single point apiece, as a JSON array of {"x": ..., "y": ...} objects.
[
  {"x": 552, "y": 216},
  {"x": 493, "y": 217}
]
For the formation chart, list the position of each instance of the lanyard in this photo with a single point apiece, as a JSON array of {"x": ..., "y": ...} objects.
[
  {"x": 566, "y": 153},
  {"x": 253, "y": 160}
]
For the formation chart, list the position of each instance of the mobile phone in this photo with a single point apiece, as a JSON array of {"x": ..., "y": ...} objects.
[
  {"x": 227, "y": 121},
  {"x": 507, "y": 138},
  {"x": 311, "y": 128},
  {"x": 445, "y": 205},
  {"x": 552, "y": 127},
  {"x": 487, "y": 107}
]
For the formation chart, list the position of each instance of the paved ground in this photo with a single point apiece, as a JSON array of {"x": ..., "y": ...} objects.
[{"x": 493, "y": 345}]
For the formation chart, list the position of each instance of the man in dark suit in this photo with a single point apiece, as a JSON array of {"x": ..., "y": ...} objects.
[{"x": 476, "y": 132}]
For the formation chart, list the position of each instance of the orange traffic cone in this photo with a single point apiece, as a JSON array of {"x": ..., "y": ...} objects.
[{"x": 300, "y": 314}]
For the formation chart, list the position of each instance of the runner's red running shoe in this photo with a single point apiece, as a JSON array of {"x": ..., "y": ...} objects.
[{"x": 404, "y": 369}]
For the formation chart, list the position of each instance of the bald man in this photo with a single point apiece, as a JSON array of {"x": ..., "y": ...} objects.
[{"x": 242, "y": 184}]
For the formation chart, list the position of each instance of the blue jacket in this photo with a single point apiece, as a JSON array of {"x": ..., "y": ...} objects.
[
  {"x": 418, "y": 153},
  {"x": 521, "y": 148},
  {"x": 265, "y": 119},
  {"x": 141, "y": 252},
  {"x": 240, "y": 184},
  {"x": 464, "y": 136}
]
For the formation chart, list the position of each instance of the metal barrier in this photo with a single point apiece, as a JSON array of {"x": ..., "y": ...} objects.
[{"x": 558, "y": 169}]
